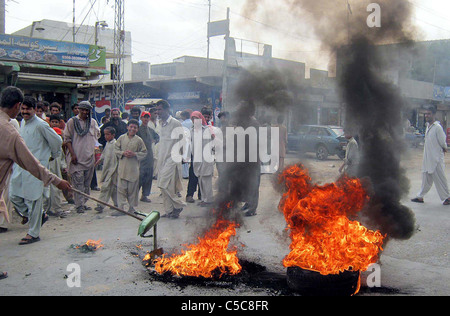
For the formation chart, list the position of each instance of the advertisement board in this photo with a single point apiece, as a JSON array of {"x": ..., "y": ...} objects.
[{"x": 34, "y": 50}]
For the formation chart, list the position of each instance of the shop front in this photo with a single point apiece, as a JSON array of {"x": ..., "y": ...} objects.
[{"x": 49, "y": 70}]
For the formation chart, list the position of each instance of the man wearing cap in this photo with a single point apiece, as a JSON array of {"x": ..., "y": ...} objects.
[
  {"x": 80, "y": 136},
  {"x": 149, "y": 136}
]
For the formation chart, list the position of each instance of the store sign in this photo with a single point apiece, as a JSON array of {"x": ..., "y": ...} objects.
[
  {"x": 100, "y": 94},
  {"x": 97, "y": 57},
  {"x": 194, "y": 95},
  {"x": 441, "y": 93},
  {"x": 34, "y": 50}
]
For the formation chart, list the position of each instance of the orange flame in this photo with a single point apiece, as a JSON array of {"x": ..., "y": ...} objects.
[
  {"x": 209, "y": 255},
  {"x": 147, "y": 257},
  {"x": 324, "y": 239},
  {"x": 95, "y": 245}
]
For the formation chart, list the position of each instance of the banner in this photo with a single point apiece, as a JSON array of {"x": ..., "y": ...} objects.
[{"x": 34, "y": 50}]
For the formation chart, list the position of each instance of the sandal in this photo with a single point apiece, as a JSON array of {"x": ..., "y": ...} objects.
[
  {"x": 417, "y": 200},
  {"x": 28, "y": 241},
  {"x": 3, "y": 275},
  {"x": 447, "y": 202},
  {"x": 44, "y": 218}
]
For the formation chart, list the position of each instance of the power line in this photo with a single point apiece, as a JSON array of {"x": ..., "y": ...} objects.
[{"x": 429, "y": 10}]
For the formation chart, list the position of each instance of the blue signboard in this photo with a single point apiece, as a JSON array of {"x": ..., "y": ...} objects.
[
  {"x": 441, "y": 93},
  {"x": 34, "y": 50}
]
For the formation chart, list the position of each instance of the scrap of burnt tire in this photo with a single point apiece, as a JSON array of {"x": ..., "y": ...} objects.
[{"x": 311, "y": 283}]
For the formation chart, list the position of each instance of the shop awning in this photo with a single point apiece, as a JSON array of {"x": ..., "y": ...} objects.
[
  {"x": 58, "y": 71},
  {"x": 88, "y": 72},
  {"x": 51, "y": 78},
  {"x": 14, "y": 66},
  {"x": 143, "y": 102}
]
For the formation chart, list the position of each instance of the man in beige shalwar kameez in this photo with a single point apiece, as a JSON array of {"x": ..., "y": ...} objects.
[
  {"x": 80, "y": 136},
  {"x": 130, "y": 150},
  {"x": 5, "y": 203},
  {"x": 170, "y": 170}
]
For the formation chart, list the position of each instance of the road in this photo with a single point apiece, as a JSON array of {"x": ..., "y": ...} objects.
[{"x": 419, "y": 266}]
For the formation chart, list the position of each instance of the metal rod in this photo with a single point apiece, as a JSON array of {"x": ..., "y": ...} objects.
[
  {"x": 106, "y": 204},
  {"x": 155, "y": 237}
]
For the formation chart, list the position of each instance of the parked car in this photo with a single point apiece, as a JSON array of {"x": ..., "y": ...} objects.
[
  {"x": 323, "y": 140},
  {"x": 414, "y": 138}
]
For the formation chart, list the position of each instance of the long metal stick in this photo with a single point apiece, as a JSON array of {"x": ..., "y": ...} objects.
[{"x": 106, "y": 204}]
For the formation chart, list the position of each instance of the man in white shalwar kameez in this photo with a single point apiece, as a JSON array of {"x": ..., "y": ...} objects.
[
  {"x": 169, "y": 174},
  {"x": 26, "y": 192},
  {"x": 109, "y": 171},
  {"x": 14, "y": 149},
  {"x": 203, "y": 166},
  {"x": 433, "y": 159},
  {"x": 53, "y": 198}
]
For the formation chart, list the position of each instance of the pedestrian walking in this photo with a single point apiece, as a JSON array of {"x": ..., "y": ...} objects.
[
  {"x": 433, "y": 169},
  {"x": 352, "y": 156}
]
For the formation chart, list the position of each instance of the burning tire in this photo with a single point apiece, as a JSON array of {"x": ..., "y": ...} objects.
[{"x": 310, "y": 283}]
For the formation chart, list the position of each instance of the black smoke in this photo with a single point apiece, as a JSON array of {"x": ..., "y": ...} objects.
[
  {"x": 374, "y": 109},
  {"x": 373, "y": 106}
]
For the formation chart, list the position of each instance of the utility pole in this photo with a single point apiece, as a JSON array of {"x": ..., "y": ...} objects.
[
  {"x": 2, "y": 16},
  {"x": 349, "y": 12},
  {"x": 74, "y": 32},
  {"x": 118, "y": 71},
  {"x": 225, "y": 66},
  {"x": 209, "y": 39}
]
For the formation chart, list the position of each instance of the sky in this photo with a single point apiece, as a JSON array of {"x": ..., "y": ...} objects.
[{"x": 163, "y": 30}]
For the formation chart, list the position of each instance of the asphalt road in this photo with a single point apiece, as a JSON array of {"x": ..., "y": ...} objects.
[{"x": 419, "y": 266}]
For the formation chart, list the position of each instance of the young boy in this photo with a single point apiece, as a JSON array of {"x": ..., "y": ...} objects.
[
  {"x": 109, "y": 171},
  {"x": 130, "y": 150},
  {"x": 53, "y": 196}
]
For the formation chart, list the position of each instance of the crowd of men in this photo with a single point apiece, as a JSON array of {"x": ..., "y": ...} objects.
[
  {"x": 135, "y": 150},
  {"x": 46, "y": 159}
]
